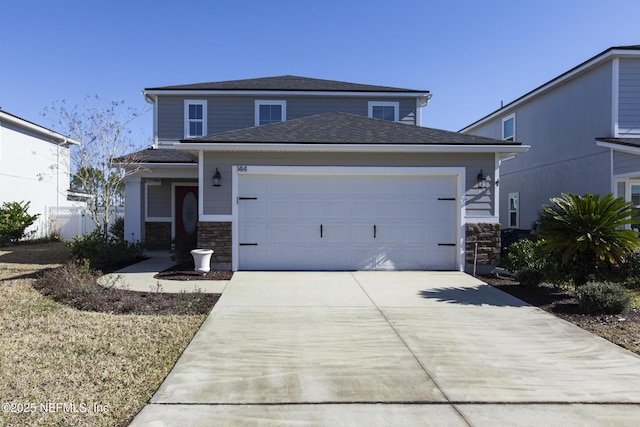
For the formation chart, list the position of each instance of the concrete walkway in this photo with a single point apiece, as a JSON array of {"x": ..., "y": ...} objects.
[
  {"x": 139, "y": 277},
  {"x": 391, "y": 348}
]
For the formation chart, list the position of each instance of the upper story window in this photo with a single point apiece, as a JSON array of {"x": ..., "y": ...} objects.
[
  {"x": 509, "y": 128},
  {"x": 270, "y": 112},
  {"x": 384, "y": 110},
  {"x": 195, "y": 118}
]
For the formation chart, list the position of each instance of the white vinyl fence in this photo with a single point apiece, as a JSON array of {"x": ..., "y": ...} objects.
[{"x": 70, "y": 222}]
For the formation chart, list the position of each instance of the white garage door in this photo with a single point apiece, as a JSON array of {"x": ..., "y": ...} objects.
[{"x": 347, "y": 222}]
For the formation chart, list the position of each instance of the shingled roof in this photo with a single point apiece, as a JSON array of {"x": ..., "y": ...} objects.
[
  {"x": 286, "y": 83},
  {"x": 159, "y": 156},
  {"x": 343, "y": 128}
]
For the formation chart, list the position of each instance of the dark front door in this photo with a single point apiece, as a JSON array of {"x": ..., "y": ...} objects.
[{"x": 186, "y": 214}]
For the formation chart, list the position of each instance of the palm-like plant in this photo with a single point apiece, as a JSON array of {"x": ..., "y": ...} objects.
[{"x": 586, "y": 230}]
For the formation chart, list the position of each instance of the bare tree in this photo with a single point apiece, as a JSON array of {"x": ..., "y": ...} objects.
[{"x": 103, "y": 128}]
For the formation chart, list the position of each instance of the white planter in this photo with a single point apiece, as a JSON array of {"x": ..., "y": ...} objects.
[{"x": 202, "y": 260}]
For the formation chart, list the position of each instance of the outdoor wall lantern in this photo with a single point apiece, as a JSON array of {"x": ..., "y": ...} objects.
[
  {"x": 217, "y": 178},
  {"x": 482, "y": 180}
]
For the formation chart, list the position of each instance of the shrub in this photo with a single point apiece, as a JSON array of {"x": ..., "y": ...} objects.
[
  {"x": 627, "y": 271},
  {"x": 588, "y": 231},
  {"x": 530, "y": 278},
  {"x": 603, "y": 298},
  {"x": 526, "y": 254},
  {"x": 182, "y": 254},
  {"x": 14, "y": 220},
  {"x": 104, "y": 255}
]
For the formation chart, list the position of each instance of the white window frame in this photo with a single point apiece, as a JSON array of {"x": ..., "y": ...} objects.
[
  {"x": 187, "y": 122},
  {"x": 258, "y": 103},
  {"x": 395, "y": 105},
  {"x": 629, "y": 198},
  {"x": 506, "y": 119},
  {"x": 514, "y": 196}
]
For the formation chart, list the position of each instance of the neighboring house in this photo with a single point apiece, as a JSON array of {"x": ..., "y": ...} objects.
[
  {"x": 34, "y": 167},
  {"x": 584, "y": 131},
  {"x": 298, "y": 173}
]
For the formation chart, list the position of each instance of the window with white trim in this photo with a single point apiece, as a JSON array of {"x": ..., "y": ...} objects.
[
  {"x": 635, "y": 201},
  {"x": 509, "y": 128},
  {"x": 384, "y": 110},
  {"x": 514, "y": 210},
  {"x": 195, "y": 118},
  {"x": 267, "y": 112}
]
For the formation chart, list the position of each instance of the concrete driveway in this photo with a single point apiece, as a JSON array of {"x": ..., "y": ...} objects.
[{"x": 391, "y": 348}]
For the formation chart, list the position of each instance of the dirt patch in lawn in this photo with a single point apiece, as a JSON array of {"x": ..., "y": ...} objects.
[{"x": 621, "y": 329}]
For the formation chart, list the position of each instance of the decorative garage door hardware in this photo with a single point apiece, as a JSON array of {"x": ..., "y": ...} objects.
[
  {"x": 248, "y": 244},
  {"x": 452, "y": 199},
  {"x": 446, "y": 244},
  {"x": 247, "y": 198},
  {"x": 375, "y": 231}
]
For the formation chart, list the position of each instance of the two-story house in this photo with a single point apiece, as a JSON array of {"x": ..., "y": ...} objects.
[
  {"x": 34, "y": 167},
  {"x": 295, "y": 173},
  {"x": 583, "y": 128}
]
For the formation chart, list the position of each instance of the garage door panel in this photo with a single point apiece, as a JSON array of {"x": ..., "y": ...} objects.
[
  {"x": 282, "y": 185},
  {"x": 281, "y": 209},
  {"x": 335, "y": 209},
  {"x": 285, "y": 221},
  {"x": 253, "y": 209},
  {"x": 308, "y": 209}
]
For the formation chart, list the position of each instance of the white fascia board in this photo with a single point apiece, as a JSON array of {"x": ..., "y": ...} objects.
[
  {"x": 618, "y": 147},
  {"x": 599, "y": 59},
  {"x": 17, "y": 121},
  {"x": 154, "y": 93},
  {"x": 353, "y": 148}
]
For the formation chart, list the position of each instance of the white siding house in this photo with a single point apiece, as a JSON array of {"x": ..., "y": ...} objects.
[{"x": 34, "y": 167}]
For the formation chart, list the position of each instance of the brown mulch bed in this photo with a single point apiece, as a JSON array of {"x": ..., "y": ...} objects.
[
  {"x": 181, "y": 272},
  {"x": 621, "y": 329},
  {"x": 77, "y": 288}
]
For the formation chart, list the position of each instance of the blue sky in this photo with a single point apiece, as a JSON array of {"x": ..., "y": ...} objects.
[{"x": 470, "y": 54}]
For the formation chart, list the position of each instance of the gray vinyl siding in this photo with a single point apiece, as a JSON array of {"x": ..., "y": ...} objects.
[
  {"x": 159, "y": 200},
  {"x": 629, "y": 98},
  {"x": 218, "y": 200},
  {"x": 238, "y": 112},
  {"x": 560, "y": 126},
  {"x": 625, "y": 163}
]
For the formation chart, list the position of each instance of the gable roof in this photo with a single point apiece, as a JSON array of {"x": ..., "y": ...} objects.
[
  {"x": 615, "y": 51},
  {"x": 284, "y": 83},
  {"x": 343, "y": 128}
]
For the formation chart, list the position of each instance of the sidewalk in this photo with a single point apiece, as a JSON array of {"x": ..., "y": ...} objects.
[{"x": 139, "y": 277}]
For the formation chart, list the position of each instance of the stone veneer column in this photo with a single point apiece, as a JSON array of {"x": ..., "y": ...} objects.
[
  {"x": 487, "y": 235},
  {"x": 157, "y": 235},
  {"x": 216, "y": 236}
]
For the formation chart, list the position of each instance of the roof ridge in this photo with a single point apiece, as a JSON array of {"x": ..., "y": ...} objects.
[{"x": 287, "y": 82}]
